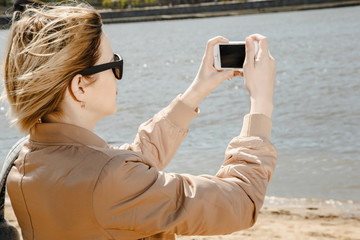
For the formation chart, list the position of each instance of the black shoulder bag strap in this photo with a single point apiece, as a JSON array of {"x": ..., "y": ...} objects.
[{"x": 8, "y": 231}]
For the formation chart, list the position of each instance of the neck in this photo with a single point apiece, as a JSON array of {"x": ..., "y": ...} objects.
[{"x": 79, "y": 117}]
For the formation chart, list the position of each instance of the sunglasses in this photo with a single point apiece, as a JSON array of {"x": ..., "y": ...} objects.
[{"x": 116, "y": 66}]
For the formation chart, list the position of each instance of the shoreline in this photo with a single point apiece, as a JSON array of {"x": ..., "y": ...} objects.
[
  {"x": 282, "y": 218},
  {"x": 290, "y": 222},
  {"x": 205, "y": 10},
  {"x": 218, "y": 9}
]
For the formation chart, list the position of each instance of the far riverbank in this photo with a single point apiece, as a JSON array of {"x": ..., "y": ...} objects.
[
  {"x": 214, "y": 9},
  {"x": 218, "y": 9}
]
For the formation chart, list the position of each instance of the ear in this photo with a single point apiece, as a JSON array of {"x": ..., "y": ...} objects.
[{"x": 77, "y": 88}]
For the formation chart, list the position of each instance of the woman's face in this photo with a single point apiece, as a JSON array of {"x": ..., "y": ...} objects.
[{"x": 101, "y": 95}]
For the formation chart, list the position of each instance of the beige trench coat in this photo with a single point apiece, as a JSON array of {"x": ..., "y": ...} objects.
[{"x": 68, "y": 183}]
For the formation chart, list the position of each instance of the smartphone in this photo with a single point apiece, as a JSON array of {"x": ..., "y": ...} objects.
[{"x": 230, "y": 55}]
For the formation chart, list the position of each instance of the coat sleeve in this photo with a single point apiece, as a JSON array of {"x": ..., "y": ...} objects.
[
  {"x": 137, "y": 197},
  {"x": 159, "y": 138}
]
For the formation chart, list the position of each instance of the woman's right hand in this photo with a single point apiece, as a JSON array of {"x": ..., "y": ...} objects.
[
  {"x": 208, "y": 78},
  {"x": 259, "y": 73}
]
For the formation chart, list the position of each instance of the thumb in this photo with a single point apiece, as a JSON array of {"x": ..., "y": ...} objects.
[
  {"x": 227, "y": 74},
  {"x": 250, "y": 52}
]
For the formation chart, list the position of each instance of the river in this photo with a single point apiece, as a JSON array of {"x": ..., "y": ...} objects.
[{"x": 317, "y": 96}]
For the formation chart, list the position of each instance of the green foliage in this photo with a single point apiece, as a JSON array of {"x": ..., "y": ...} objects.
[
  {"x": 122, "y": 3},
  {"x": 108, "y": 3},
  {"x": 135, "y": 3},
  {"x": 151, "y": 2},
  {"x": 4, "y": 3}
]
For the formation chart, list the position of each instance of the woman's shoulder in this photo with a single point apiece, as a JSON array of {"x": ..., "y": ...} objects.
[
  {"x": 123, "y": 167},
  {"x": 112, "y": 153},
  {"x": 116, "y": 156}
]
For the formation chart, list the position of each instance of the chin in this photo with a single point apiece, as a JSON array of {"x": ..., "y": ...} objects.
[
  {"x": 114, "y": 110},
  {"x": 110, "y": 112}
]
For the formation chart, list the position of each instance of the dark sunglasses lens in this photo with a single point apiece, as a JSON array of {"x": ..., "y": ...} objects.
[
  {"x": 118, "y": 69},
  {"x": 117, "y": 72}
]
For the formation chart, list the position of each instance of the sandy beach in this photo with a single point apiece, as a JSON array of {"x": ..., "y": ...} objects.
[
  {"x": 293, "y": 219},
  {"x": 298, "y": 222}
]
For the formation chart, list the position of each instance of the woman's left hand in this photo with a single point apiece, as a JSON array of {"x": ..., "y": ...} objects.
[{"x": 208, "y": 78}]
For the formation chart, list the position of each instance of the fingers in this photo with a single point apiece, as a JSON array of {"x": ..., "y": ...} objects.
[
  {"x": 209, "y": 52},
  {"x": 250, "y": 52},
  {"x": 271, "y": 57},
  {"x": 263, "y": 43}
]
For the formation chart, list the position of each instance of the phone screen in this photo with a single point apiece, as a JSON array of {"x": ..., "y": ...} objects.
[{"x": 232, "y": 56}]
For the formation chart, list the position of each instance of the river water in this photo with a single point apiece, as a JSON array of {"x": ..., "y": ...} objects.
[{"x": 317, "y": 97}]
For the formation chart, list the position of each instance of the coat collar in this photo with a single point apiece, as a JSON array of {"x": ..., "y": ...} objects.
[{"x": 55, "y": 133}]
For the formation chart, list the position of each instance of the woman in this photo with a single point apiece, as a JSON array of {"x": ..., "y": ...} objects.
[{"x": 67, "y": 183}]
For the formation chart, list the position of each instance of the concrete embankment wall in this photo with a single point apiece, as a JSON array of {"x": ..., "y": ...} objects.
[
  {"x": 220, "y": 9},
  {"x": 211, "y": 10}
]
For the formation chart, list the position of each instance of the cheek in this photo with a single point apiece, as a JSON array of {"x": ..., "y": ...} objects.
[
  {"x": 104, "y": 92},
  {"x": 108, "y": 84},
  {"x": 110, "y": 89}
]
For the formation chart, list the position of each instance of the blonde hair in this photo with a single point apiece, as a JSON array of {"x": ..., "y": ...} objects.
[{"x": 47, "y": 47}]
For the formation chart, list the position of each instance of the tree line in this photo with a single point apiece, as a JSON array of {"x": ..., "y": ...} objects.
[{"x": 124, "y": 4}]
